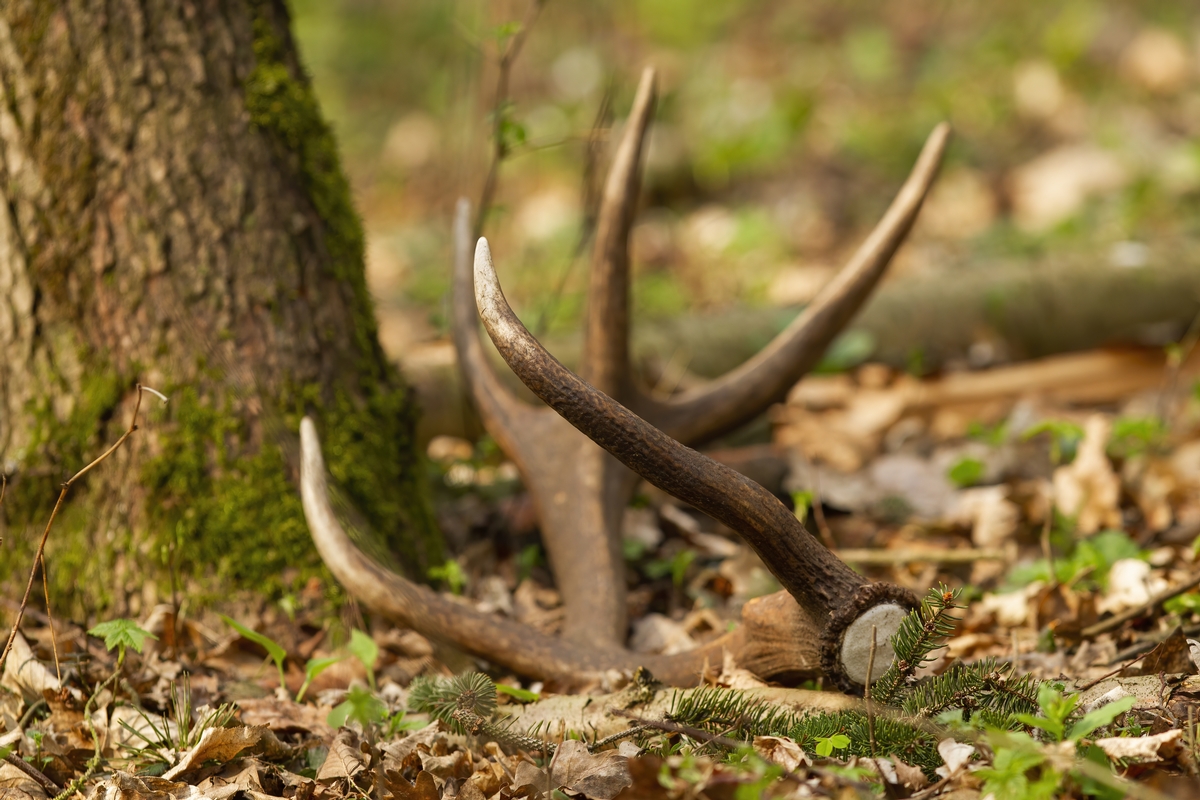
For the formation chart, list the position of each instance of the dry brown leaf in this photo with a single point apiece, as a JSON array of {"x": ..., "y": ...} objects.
[
  {"x": 396, "y": 788},
  {"x": 23, "y": 673},
  {"x": 285, "y": 716},
  {"x": 1087, "y": 488},
  {"x": 1142, "y": 749},
  {"x": 782, "y": 751},
  {"x": 216, "y": 744},
  {"x": 395, "y": 753},
  {"x": 345, "y": 758},
  {"x": 600, "y": 776},
  {"x": 16, "y": 785},
  {"x": 121, "y": 786}
]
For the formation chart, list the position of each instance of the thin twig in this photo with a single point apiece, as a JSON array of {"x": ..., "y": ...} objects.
[
  {"x": 39, "y": 558},
  {"x": 1108, "y": 675},
  {"x": 819, "y": 514},
  {"x": 867, "y": 693},
  {"x": 687, "y": 730},
  {"x": 499, "y": 148},
  {"x": 50, "y": 617},
  {"x": 33, "y": 772},
  {"x": 1112, "y": 623},
  {"x": 875, "y": 557}
]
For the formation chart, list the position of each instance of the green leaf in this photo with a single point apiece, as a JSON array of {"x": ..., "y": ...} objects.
[
  {"x": 122, "y": 633},
  {"x": 312, "y": 669},
  {"x": 802, "y": 502},
  {"x": 517, "y": 693},
  {"x": 840, "y": 741},
  {"x": 966, "y": 472},
  {"x": 277, "y": 653},
  {"x": 450, "y": 573},
  {"x": 1099, "y": 717},
  {"x": 824, "y": 747},
  {"x": 361, "y": 706},
  {"x": 363, "y": 648}
]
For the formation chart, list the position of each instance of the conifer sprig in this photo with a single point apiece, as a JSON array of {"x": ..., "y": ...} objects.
[{"x": 919, "y": 635}]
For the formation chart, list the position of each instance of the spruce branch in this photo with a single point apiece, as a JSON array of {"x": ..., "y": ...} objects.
[{"x": 922, "y": 632}]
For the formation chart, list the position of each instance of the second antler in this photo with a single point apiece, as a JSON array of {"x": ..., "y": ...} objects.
[{"x": 825, "y": 619}]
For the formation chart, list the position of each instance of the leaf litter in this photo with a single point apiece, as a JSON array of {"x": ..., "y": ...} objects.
[{"x": 1081, "y": 511}]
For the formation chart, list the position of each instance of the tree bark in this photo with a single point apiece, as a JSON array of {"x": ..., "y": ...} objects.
[{"x": 174, "y": 213}]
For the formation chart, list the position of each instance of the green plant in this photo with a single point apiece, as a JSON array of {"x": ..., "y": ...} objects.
[
  {"x": 802, "y": 502},
  {"x": 312, "y": 669},
  {"x": 827, "y": 744},
  {"x": 361, "y": 706},
  {"x": 363, "y": 647},
  {"x": 451, "y": 574},
  {"x": 1064, "y": 438},
  {"x": 965, "y": 472},
  {"x": 1086, "y": 562},
  {"x": 274, "y": 651},
  {"x": 122, "y": 634},
  {"x": 1133, "y": 436}
]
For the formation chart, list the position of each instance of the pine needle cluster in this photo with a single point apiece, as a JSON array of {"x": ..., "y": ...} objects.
[
  {"x": 986, "y": 691},
  {"x": 466, "y": 704}
]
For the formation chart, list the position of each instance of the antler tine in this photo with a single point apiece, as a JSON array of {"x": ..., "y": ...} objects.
[
  {"x": 713, "y": 409},
  {"x": 605, "y": 362},
  {"x": 500, "y": 409},
  {"x": 833, "y": 596},
  {"x": 507, "y": 643}
]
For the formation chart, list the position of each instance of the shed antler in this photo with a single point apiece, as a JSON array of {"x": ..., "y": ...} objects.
[{"x": 580, "y": 489}]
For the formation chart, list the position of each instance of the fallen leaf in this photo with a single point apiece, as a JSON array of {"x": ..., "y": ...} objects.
[
  {"x": 1142, "y": 749},
  {"x": 1087, "y": 488},
  {"x": 345, "y": 758},
  {"x": 1130, "y": 585},
  {"x": 1171, "y": 656},
  {"x": 216, "y": 744},
  {"x": 395, "y": 787},
  {"x": 782, "y": 751},
  {"x": 955, "y": 755},
  {"x": 657, "y": 633},
  {"x": 23, "y": 673},
  {"x": 600, "y": 776}
]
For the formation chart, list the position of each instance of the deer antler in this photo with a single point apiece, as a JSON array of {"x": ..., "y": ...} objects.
[
  {"x": 580, "y": 490},
  {"x": 847, "y": 609}
]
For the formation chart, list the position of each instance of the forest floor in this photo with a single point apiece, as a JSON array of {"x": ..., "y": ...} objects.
[{"x": 1058, "y": 500}]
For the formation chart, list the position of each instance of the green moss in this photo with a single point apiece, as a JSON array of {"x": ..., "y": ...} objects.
[{"x": 282, "y": 104}]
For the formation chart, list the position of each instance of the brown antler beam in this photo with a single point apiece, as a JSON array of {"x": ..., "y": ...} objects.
[
  {"x": 717, "y": 407},
  {"x": 847, "y": 609},
  {"x": 774, "y": 639}
]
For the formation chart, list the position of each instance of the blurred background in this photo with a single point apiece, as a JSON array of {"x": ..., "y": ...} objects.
[{"x": 783, "y": 131}]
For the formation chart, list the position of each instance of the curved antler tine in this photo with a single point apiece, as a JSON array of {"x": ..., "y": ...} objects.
[
  {"x": 713, "y": 409},
  {"x": 605, "y": 361},
  {"x": 498, "y": 406},
  {"x": 833, "y": 596},
  {"x": 507, "y": 643}
]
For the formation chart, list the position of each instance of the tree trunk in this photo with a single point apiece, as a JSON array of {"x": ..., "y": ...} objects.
[{"x": 175, "y": 214}]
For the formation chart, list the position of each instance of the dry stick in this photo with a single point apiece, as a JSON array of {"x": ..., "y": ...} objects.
[
  {"x": 499, "y": 149},
  {"x": 867, "y": 694},
  {"x": 41, "y": 551},
  {"x": 873, "y": 557},
  {"x": 33, "y": 772},
  {"x": 1113, "y": 623},
  {"x": 1108, "y": 675},
  {"x": 819, "y": 516},
  {"x": 50, "y": 617}
]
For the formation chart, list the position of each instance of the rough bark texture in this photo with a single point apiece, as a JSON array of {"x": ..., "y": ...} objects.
[{"x": 174, "y": 213}]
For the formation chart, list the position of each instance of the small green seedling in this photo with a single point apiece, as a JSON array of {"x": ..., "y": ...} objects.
[
  {"x": 122, "y": 634},
  {"x": 802, "y": 503},
  {"x": 361, "y": 706},
  {"x": 965, "y": 472},
  {"x": 277, "y": 653},
  {"x": 312, "y": 669},
  {"x": 363, "y": 647},
  {"x": 1064, "y": 438},
  {"x": 451, "y": 574},
  {"x": 827, "y": 744},
  {"x": 517, "y": 693}
]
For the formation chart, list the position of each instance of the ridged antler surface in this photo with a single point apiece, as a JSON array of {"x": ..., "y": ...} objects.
[{"x": 580, "y": 489}]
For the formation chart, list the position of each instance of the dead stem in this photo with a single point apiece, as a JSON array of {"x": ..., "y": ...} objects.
[
  {"x": 499, "y": 147},
  {"x": 867, "y": 693},
  {"x": 39, "y": 558}
]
